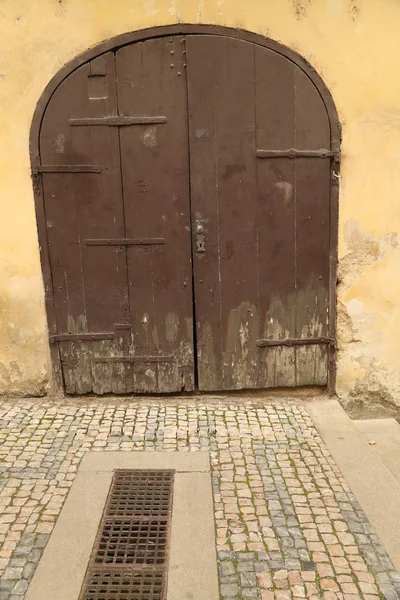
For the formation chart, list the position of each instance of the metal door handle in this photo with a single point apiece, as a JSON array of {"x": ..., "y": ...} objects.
[{"x": 200, "y": 237}]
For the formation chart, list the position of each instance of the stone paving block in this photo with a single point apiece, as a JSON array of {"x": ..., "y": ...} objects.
[{"x": 288, "y": 526}]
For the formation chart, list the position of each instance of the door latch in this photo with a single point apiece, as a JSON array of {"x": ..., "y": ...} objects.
[{"x": 200, "y": 237}]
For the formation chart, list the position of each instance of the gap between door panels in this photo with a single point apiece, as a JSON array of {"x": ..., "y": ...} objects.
[{"x": 195, "y": 356}]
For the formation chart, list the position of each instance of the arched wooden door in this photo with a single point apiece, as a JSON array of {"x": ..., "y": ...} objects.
[{"x": 187, "y": 199}]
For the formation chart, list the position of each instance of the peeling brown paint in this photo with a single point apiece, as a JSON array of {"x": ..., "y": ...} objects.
[
  {"x": 59, "y": 144},
  {"x": 78, "y": 325},
  {"x": 149, "y": 137},
  {"x": 206, "y": 354},
  {"x": 299, "y": 312},
  {"x": 201, "y": 133},
  {"x": 171, "y": 327},
  {"x": 241, "y": 353}
]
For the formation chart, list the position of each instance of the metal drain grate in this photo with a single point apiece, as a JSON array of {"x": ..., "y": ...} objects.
[
  {"x": 129, "y": 560},
  {"x": 132, "y": 542},
  {"x": 148, "y": 493},
  {"x": 125, "y": 586}
]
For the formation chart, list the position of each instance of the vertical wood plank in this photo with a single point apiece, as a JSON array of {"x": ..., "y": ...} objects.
[
  {"x": 76, "y": 367},
  {"x": 222, "y": 142},
  {"x": 155, "y": 171},
  {"x": 204, "y": 170},
  {"x": 312, "y": 232},
  {"x": 276, "y": 197},
  {"x": 90, "y": 282}
]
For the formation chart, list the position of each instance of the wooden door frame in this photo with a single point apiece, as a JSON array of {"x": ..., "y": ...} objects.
[{"x": 164, "y": 31}]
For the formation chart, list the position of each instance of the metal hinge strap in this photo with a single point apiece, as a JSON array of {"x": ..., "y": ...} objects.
[
  {"x": 296, "y": 342},
  {"x": 294, "y": 153}
]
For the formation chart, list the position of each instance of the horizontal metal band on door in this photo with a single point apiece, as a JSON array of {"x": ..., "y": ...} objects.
[
  {"x": 122, "y": 359},
  {"x": 133, "y": 359},
  {"x": 114, "y": 121},
  {"x": 81, "y": 337},
  {"x": 295, "y": 342},
  {"x": 67, "y": 169},
  {"x": 91, "y": 337},
  {"x": 126, "y": 242},
  {"x": 131, "y": 550},
  {"x": 294, "y": 153}
]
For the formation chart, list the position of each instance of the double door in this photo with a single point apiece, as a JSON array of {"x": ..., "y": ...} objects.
[{"x": 186, "y": 184}]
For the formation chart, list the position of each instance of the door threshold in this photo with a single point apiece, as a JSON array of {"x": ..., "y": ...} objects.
[{"x": 246, "y": 394}]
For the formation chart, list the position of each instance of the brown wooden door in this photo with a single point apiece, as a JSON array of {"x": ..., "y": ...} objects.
[
  {"x": 116, "y": 191},
  {"x": 261, "y": 259},
  {"x": 187, "y": 200}
]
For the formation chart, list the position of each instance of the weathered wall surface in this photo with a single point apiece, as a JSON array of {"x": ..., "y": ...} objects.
[{"x": 353, "y": 44}]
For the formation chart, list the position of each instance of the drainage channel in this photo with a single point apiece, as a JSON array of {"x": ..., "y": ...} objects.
[{"x": 129, "y": 560}]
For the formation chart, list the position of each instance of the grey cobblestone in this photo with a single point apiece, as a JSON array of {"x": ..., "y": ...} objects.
[
  {"x": 20, "y": 587},
  {"x": 248, "y": 579},
  {"x": 226, "y": 568},
  {"x": 287, "y": 525},
  {"x": 28, "y": 570},
  {"x": 229, "y": 589}
]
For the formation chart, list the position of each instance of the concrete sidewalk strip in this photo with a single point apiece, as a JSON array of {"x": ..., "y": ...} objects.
[
  {"x": 193, "y": 561},
  {"x": 386, "y": 434},
  {"x": 192, "y": 566},
  {"x": 62, "y": 568},
  {"x": 257, "y": 494},
  {"x": 372, "y": 482},
  {"x": 181, "y": 461}
]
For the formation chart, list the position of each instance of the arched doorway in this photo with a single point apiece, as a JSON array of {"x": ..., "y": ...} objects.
[{"x": 187, "y": 214}]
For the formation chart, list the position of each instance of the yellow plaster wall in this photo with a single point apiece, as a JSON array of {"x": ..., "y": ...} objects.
[{"x": 354, "y": 46}]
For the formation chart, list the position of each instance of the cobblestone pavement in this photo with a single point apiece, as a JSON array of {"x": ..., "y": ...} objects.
[{"x": 287, "y": 525}]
